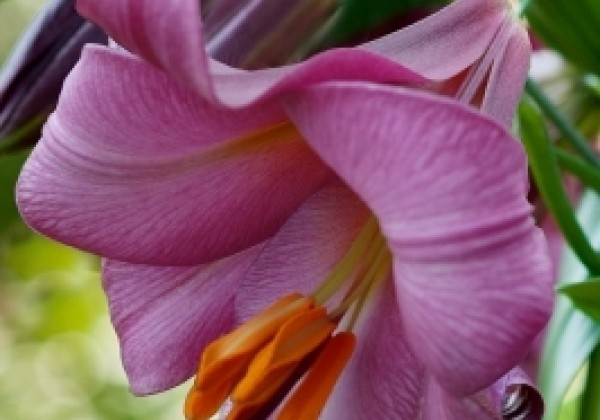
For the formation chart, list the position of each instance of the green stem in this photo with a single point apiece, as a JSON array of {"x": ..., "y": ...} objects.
[
  {"x": 588, "y": 175},
  {"x": 577, "y": 140},
  {"x": 543, "y": 165},
  {"x": 590, "y": 403}
]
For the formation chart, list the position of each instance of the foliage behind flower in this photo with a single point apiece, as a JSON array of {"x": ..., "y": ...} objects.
[{"x": 57, "y": 346}]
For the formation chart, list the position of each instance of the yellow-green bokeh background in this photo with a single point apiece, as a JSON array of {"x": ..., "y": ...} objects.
[{"x": 59, "y": 357}]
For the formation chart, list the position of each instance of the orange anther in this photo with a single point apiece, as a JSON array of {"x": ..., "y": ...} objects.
[
  {"x": 296, "y": 339},
  {"x": 226, "y": 359},
  {"x": 250, "y": 408},
  {"x": 201, "y": 405},
  {"x": 310, "y": 396}
]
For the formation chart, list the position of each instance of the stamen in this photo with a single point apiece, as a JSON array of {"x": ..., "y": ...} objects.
[
  {"x": 310, "y": 397},
  {"x": 225, "y": 360},
  {"x": 380, "y": 275},
  {"x": 258, "y": 363},
  {"x": 378, "y": 267},
  {"x": 295, "y": 340},
  {"x": 201, "y": 405},
  {"x": 344, "y": 268}
]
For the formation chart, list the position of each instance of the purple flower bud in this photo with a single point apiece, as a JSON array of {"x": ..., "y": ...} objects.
[{"x": 32, "y": 77}]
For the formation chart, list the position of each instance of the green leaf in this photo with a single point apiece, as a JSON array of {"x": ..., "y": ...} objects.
[
  {"x": 586, "y": 173},
  {"x": 361, "y": 16},
  {"x": 571, "y": 133},
  {"x": 571, "y": 335},
  {"x": 590, "y": 403},
  {"x": 547, "y": 176},
  {"x": 585, "y": 296},
  {"x": 571, "y": 405},
  {"x": 572, "y": 338},
  {"x": 571, "y": 27}
]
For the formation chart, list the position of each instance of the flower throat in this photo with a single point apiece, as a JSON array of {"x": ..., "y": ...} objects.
[{"x": 295, "y": 350}]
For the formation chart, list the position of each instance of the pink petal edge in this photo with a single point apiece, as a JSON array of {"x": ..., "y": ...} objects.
[
  {"x": 165, "y": 316},
  {"x": 170, "y": 36},
  {"x": 459, "y": 224},
  {"x": 153, "y": 178}
]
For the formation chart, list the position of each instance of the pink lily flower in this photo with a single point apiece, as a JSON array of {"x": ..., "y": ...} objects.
[{"x": 396, "y": 213}]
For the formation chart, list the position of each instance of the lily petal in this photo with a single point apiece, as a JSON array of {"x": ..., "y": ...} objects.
[
  {"x": 443, "y": 406},
  {"x": 507, "y": 76},
  {"x": 167, "y": 34},
  {"x": 475, "y": 316},
  {"x": 236, "y": 88},
  {"x": 170, "y": 37},
  {"x": 161, "y": 152},
  {"x": 383, "y": 380},
  {"x": 176, "y": 44},
  {"x": 178, "y": 310},
  {"x": 304, "y": 251},
  {"x": 458, "y": 223},
  {"x": 470, "y": 24}
]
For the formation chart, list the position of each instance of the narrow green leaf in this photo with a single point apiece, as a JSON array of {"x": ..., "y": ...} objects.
[
  {"x": 545, "y": 171},
  {"x": 590, "y": 403},
  {"x": 571, "y": 336},
  {"x": 585, "y": 296},
  {"x": 571, "y": 339},
  {"x": 587, "y": 174},
  {"x": 572, "y": 135}
]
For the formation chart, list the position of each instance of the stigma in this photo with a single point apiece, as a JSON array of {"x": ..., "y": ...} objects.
[{"x": 288, "y": 358}]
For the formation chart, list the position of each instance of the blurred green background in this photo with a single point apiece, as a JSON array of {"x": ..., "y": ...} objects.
[{"x": 59, "y": 356}]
